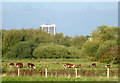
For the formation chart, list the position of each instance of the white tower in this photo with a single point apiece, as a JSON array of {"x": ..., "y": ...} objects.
[{"x": 50, "y": 28}]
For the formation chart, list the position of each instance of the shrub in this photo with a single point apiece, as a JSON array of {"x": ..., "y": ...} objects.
[
  {"x": 4, "y": 69},
  {"x": 51, "y": 51},
  {"x": 22, "y": 50},
  {"x": 110, "y": 55}
]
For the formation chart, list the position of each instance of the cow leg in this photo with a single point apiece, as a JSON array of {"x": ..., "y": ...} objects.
[{"x": 34, "y": 67}]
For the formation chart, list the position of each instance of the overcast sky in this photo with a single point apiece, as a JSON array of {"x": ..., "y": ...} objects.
[{"x": 71, "y": 18}]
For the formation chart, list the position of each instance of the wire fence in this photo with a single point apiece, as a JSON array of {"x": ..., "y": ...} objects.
[{"x": 70, "y": 72}]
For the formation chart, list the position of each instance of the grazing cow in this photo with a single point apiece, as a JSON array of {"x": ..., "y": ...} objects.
[
  {"x": 20, "y": 65},
  {"x": 79, "y": 65},
  {"x": 68, "y": 65},
  {"x": 93, "y": 64},
  {"x": 108, "y": 66},
  {"x": 89, "y": 66},
  {"x": 11, "y": 65},
  {"x": 31, "y": 65}
]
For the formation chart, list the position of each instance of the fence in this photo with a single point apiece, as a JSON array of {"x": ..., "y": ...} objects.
[{"x": 81, "y": 72}]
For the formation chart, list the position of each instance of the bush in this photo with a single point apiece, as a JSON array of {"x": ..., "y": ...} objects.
[
  {"x": 22, "y": 50},
  {"x": 74, "y": 52},
  {"x": 51, "y": 51},
  {"x": 90, "y": 49},
  {"x": 4, "y": 69},
  {"x": 110, "y": 55}
]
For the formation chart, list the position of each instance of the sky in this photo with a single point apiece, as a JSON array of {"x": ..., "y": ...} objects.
[{"x": 71, "y": 18}]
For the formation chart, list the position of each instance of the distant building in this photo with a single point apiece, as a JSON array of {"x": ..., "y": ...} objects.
[
  {"x": 50, "y": 28},
  {"x": 89, "y": 38}
]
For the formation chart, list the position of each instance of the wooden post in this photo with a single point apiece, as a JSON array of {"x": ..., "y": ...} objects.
[
  {"x": 76, "y": 72},
  {"x": 69, "y": 76},
  {"x": 56, "y": 74},
  {"x": 60, "y": 75},
  {"x": 65, "y": 75},
  {"x": 108, "y": 70},
  {"x": 46, "y": 72},
  {"x": 18, "y": 71},
  {"x": 51, "y": 75},
  {"x": 24, "y": 73}
]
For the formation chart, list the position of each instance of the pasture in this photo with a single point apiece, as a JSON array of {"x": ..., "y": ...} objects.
[{"x": 56, "y": 72}]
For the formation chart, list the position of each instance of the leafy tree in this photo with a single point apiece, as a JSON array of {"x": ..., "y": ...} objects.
[
  {"x": 22, "y": 50},
  {"x": 89, "y": 49},
  {"x": 57, "y": 37},
  {"x": 78, "y": 41},
  {"x": 110, "y": 55},
  {"x": 103, "y": 37},
  {"x": 65, "y": 41},
  {"x": 74, "y": 52},
  {"x": 51, "y": 51},
  {"x": 12, "y": 37}
]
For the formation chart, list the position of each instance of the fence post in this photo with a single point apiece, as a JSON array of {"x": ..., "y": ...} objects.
[
  {"x": 108, "y": 71},
  {"x": 51, "y": 75},
  {"x": 65, "y": 75},
  {"x": 24, "y": 73},
  {"x": 76, "y": 72},
  {"x": 56, "y": 74},
  {"x": 18, "y": 71},
  {"x": 46, "y": 72}
]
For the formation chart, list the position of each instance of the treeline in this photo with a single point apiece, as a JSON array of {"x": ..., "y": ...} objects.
[{"x": 34, "y": 43}]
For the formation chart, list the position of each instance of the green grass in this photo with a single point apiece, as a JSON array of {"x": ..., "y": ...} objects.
[
  {"x": 58, "y": 64},
  {"x": 30, "y": 78}
]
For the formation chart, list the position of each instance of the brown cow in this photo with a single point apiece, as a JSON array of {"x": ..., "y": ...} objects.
[
  {"x": 11, "y": 64},
  {"x": 94, "y": 64},
  {"x": 20, "y": 65},
  {"x": 108, "y": 66},
  {"x": 31, "y": 65},
  {"x": 68, "y": 65},
  {"x": 78, "y": 66}
]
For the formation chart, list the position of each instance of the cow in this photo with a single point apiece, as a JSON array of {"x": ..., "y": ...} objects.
[
  {"x": 20, "y": 65},
  {"x": 68, "y": 65},
  {"x": 31, "y": 65},
  {"x": 78, "y": 66},
  {"x": 94, "y": 64},
  {"x": 108, "y": 66},
  {"x": 11, "y": 64}
]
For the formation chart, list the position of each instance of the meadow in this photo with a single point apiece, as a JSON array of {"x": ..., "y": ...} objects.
[{"x": 56, "y": 72}]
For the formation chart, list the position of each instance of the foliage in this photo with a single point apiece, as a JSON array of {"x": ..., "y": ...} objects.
[
  {"x": 110, "y": 55},
  {"x": 74, "y": 52},
  {"x": 10, "y": 38},
  {"x": 51, "y": 51},
  {"x": 4, "y": 69},
  {"x": 78, "y": 41},
  {"x": 103, "y": 37},
  {"x": 16, "y": 43},
  {"x": 57, "y": 37},
  {"x": 22, "y": 50},
  {"x": 65, "y": 41}
]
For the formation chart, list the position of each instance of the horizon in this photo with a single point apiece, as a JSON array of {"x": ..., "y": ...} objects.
[{"x": 76, "y": 18}]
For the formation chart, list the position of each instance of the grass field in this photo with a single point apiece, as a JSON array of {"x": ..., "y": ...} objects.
[
  {"x": 85, "y": 73},
  {"x": 29, "y": 78}
]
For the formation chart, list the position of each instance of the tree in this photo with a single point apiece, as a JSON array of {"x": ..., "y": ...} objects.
[
  {"x": 51, "y": 51},
  {"x": 65, "y": 41},
  {"x": 78, "y": 41},
  {"x": 22, "y": 50},
  {"x": 103, "y": 37},
  {"x": 57, "y": 37}
]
